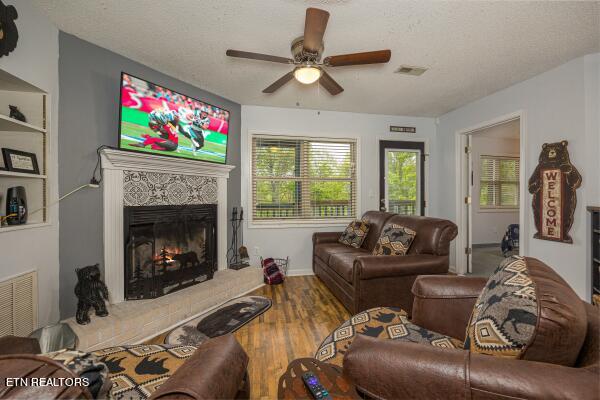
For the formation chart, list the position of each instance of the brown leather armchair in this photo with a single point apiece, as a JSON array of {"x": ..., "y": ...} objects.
[
  {"x": 216, "y": 370},
  {"x": 389, "y": 369},
  {"x": 361, "y": 280}
]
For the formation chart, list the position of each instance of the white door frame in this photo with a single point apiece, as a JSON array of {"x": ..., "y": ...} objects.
[
  {"x": 425, "y": 142},
  {"x": 462, "y": 186}
]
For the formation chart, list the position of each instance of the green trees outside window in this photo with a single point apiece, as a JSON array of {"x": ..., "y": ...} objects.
[
  {"x": 402, "y": 184},
  {"x": 303, "y": 178}
]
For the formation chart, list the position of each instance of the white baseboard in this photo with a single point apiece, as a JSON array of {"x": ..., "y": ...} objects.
[{"x": 300, "y": 272}]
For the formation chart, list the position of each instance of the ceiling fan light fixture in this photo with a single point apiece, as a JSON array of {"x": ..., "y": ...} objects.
[
  {"x": 307, "y": 51},
  {"x": 307, "y": 74}
]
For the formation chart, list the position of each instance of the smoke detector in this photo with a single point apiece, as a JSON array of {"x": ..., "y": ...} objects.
[{"x": 410, "y": 70}]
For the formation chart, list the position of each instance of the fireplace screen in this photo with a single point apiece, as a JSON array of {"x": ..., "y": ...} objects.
[{"x": 168, "y": 248}]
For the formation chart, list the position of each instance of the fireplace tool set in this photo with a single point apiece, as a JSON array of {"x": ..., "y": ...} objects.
[{"x": 237, "y": 257}]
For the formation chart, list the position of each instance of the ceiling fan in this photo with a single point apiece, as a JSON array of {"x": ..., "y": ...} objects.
[{"x": 307, "y": 51}]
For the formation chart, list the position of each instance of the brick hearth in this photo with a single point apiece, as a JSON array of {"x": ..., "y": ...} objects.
[{"x": 134, "y": 321}]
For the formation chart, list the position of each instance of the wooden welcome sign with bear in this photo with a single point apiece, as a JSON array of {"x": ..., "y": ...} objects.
[{"x": 553, "y": 185}]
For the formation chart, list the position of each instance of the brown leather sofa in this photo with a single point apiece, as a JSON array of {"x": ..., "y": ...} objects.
[
  {"x": 361, "y": 280},
  {"x": 217, "y": 370},
  {"x": 389, "y": 369}
]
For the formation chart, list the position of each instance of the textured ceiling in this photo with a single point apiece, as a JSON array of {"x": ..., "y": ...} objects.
[{"x": 472, "y": 49}]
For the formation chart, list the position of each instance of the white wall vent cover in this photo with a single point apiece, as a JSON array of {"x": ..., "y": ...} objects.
[
  {"x": 410, "y": 70},
  {"x": 18, "y": 305}
]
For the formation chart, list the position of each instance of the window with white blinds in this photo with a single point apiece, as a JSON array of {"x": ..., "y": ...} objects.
[
  {"x": 297, "y": 178},
  {"x": 499, "y": 182}
]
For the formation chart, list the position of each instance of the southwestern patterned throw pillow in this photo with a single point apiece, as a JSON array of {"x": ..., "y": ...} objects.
[
  {"x": 355, "y": 234},
  {"x": 505, "y": 316},
  {"x": 395, "y": 240}
]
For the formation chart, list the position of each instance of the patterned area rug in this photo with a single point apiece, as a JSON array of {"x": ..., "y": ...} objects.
[
  {"x": 137, "y": 371},
  {"x": 226, "y": 319},
  {"x": 383, "y": 323}
]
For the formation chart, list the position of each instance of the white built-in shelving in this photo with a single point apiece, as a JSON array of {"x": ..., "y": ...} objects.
[
  {"x": 22, "y": 175},
  {"x": 29, "y": 225},
  {"x": 31, "y": 137},
  {"x": 8, "y": 124}
]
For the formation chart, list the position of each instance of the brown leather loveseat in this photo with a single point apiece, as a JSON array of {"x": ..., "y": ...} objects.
[{"x": 361, "y": 280}]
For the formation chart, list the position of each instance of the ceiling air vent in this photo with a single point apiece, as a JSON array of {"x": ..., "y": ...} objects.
[{"x": 409, "y": 70}]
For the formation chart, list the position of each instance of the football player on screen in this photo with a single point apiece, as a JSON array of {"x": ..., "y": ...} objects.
[
  {"x": 200, "y": 124},
  {"x": 197, "y": 122},
  {"x": 165, "y": 124}
]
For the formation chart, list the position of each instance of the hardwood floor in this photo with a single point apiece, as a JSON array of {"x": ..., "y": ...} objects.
[{"x": 304, "y": 312}]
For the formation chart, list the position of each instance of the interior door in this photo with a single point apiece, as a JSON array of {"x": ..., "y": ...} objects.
[{"x": 402, "y": 177}]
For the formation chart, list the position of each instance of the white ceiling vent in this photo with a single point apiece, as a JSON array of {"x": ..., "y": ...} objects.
[
  {"x": 18, "y": 305},
  {"x": 410, "y": 70}
]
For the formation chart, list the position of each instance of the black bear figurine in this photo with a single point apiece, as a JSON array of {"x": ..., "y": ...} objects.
[
  {"x": 16, "y": 114},
  {"x": 90, "y": 292}
]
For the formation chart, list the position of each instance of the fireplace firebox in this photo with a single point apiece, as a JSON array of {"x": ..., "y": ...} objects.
[{"x": 168, "y": 248}]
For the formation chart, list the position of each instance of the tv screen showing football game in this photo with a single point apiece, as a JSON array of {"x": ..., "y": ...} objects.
[{"x": 161, "y": 121}]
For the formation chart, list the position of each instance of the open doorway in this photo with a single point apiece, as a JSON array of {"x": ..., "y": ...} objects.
[{"x": 493, "y": 198}]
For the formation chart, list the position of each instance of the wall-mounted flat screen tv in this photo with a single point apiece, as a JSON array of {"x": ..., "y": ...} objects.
[{"x": 161, "y": 121}]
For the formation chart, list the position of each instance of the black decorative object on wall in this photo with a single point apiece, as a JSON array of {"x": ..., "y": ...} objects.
[
  {"x": 553, "y": 185},
  {"x": 9, "y": 35},
  {"x": 15, "y": 113},
  {"x": 90, "y": 292}
]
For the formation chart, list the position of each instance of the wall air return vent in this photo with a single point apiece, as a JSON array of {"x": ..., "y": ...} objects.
[
  {"x": 410, "y": 70},
  {"x": 18, "y": 305}
]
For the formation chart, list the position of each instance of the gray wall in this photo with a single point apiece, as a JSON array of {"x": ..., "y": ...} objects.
[{"x": 89, "y": 81}]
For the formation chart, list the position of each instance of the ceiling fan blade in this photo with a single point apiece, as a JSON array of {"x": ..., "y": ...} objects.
[
  {"x": 258, "y": 56},
  {"x": 279, "y": 82},
  {"x": 369, "y": 57},
  {"x": 330, "y": 84},
  {"x": 314, "y": 29}
]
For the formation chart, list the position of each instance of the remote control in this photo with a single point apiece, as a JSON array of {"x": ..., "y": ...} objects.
[{"x": 314, "y": 386}]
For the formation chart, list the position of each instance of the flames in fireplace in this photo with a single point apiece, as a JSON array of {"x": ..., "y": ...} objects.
[{"x": 167, "y": 256}]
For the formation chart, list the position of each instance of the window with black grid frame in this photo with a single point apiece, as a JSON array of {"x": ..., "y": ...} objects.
[
  {"x": 303, "y": 178},
  {"x": 499, "y": 182}
]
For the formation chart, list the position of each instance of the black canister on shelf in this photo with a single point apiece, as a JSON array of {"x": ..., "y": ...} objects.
[{"x": 16, "y": 205}]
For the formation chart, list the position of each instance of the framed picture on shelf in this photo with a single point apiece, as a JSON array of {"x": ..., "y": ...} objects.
[{"x": 20, "y": 161}]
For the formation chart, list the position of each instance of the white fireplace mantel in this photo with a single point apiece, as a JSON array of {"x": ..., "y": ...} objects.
[
  {"x": 114, "y": 163},
  {"x": 127, "y": 160}
]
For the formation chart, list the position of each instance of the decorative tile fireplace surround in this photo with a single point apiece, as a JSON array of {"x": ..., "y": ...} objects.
[{"x": 144, "y": 180}]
